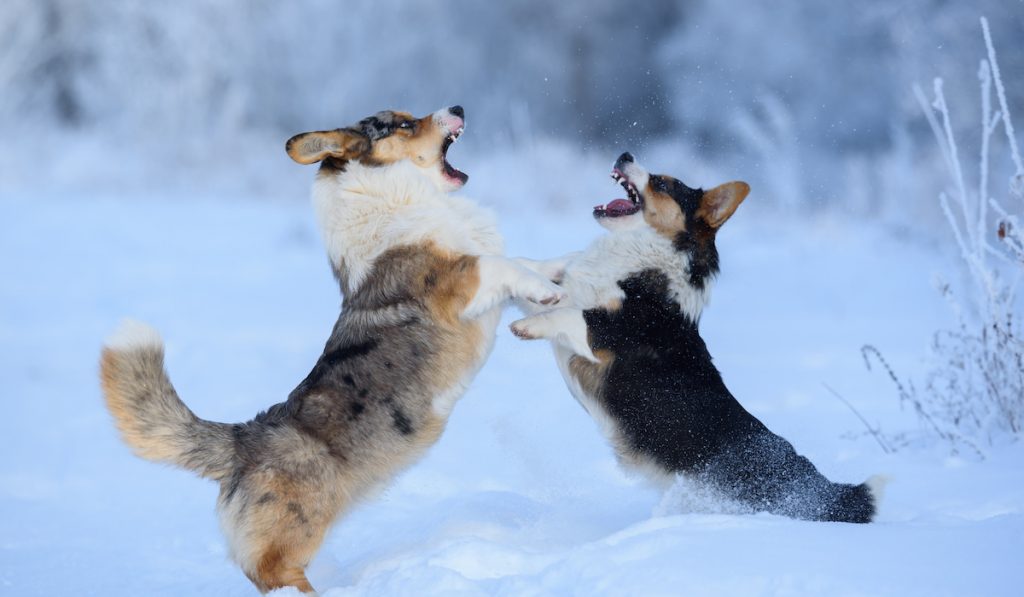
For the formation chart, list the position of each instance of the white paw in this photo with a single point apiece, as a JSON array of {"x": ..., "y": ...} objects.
[
  {"x": 525, "y": 329},
  {"x": 555, "y": 274},
  {"x": 555, "y": 270},
  {"x": 542, "y": 292}
]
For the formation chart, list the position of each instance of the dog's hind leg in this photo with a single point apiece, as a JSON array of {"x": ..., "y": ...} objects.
[
  {"x": 275, "y": 521},
  {"x": 277, "y": 568},
  {"x": 278, "y": 554}
]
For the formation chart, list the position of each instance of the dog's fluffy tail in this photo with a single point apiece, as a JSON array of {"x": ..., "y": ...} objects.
[
  {"x": 858, "y": 503},
  {"x": 152, "y": 419}
]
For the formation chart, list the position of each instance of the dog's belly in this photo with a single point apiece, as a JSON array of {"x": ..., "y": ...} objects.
[
  {"x": 629, "y": 459},
  {"x": 607, "y": 425},
  {"x": 445, "y": 399}
]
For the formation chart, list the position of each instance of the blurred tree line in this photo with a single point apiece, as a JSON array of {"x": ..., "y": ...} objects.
[{"x": 722, "y": 74}]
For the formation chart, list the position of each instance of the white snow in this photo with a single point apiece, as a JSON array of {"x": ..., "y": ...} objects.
[{"x": 521, "y": 495}]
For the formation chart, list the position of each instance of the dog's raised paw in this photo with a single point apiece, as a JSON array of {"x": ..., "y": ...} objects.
[
  {"x": 540, "y": 291},
  {"x": 521, "y": 330},
  {"x": 548, "y": 294}
]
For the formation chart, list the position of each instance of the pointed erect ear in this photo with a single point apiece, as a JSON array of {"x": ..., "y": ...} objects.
[
  {"x": 717, "y": 204},
  {"x": 309, "y": 148}
]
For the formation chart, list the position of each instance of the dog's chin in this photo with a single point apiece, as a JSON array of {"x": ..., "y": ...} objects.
[
  {"x": 621, "y": 223},
  {"x": 441, "y": 180},
  {"x": 451, "y": 184}
]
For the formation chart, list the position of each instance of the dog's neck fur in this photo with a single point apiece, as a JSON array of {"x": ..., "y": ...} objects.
[
  {"x": 363, "y": 211},
  {"x": 592, "y": 278}
]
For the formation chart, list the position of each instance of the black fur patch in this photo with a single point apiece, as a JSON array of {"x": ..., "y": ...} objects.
[
  {"x": 688, "y": 198},
  {"x": 380, "y": 125},
  {"x": 351, "y": 351},
  {"x": 296, "y": 509},
  {"x": 355, "y": 409},
  {"x": 401, "y": 421},
  {"x": 699, "y": 244},
  {"x": 266, "y": 498},
  {"x": 333, "y": 164}
]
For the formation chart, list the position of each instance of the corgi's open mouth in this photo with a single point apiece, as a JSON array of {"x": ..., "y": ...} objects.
[
  {"x": 450, "y": 171},
  {"x": 618, "y": 208}
]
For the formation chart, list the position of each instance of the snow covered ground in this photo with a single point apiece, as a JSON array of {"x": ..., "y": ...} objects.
[{"x": 521, "y": 495}]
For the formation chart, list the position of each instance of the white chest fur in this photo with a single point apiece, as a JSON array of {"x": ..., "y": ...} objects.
[
  {"x": 364, "y": 211},
  {"x": 592, "y": 278}
]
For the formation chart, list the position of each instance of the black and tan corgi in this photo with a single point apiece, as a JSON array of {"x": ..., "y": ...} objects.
[
  {"x": 423, "y": 280},
  {"x": 630, "y": 350}
]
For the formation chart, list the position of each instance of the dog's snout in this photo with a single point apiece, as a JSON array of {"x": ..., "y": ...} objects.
[
  {"x": 625, "y": 158},
  {"x": 457, "y": 111}
]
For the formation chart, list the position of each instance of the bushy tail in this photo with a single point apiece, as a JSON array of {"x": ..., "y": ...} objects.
[
  {"x": 857, "y": 503},
  {"x": 152, "y": 419}
]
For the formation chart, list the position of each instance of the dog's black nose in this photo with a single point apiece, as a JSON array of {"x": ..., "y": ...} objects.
[
  {"x": 457, "y": 111},
  {"x": 626, "y": 158}
]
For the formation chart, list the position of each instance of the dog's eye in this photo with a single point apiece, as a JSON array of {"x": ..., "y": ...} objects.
[
  {"x": 660, "y": 185},
  {"x": 405, "y": 125}
]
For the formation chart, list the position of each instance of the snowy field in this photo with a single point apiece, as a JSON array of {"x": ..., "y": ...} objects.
[{"x": 521, "y": 496}]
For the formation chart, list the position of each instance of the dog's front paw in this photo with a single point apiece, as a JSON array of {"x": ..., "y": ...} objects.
[
  {"x": 540, "y": 291},
  {"x": 555, "y": 269},
  {"x": 523, "y": 329}
]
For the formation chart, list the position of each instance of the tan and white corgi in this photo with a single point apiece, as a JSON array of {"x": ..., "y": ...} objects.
[{"x": 424, "y": 281}]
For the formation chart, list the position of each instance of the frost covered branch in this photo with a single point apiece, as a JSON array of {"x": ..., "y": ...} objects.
[{"x": 975, "y": 390}]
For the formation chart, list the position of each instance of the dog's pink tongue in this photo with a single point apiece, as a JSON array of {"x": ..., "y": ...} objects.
[{"x": 619, "y": 205}]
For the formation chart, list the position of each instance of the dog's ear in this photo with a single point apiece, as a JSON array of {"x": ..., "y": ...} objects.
[
  {"x": 719, "y": 203},
  {"x": 309, "y": 148}
]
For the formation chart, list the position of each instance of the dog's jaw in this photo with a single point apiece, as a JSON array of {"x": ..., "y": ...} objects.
[
  {"x": 633, "y": 179},
  {"x": 446, "y": 177}
]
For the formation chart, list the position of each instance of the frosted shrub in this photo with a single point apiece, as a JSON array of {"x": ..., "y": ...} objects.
[{"x": 974, "y": 393}]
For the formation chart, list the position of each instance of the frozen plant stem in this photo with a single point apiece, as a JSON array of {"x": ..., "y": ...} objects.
[{"x": 975, "y": 390}]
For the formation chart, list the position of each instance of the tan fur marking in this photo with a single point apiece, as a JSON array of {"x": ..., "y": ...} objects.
[
  {"x": 456, "y": 280},
  {"x": 662, "y": 213},
  {"x": 286, "y": 521},
  {"x": 421, "y": 147},
  {"x": 429, "y": 432},
  {"x": 310, "y": 148},
  {"x": 274, "y": 571},
  {"x": 718, "y": 204},
  {"x": 117, "y": 402},
  {"x": 590, "y": 375}
]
